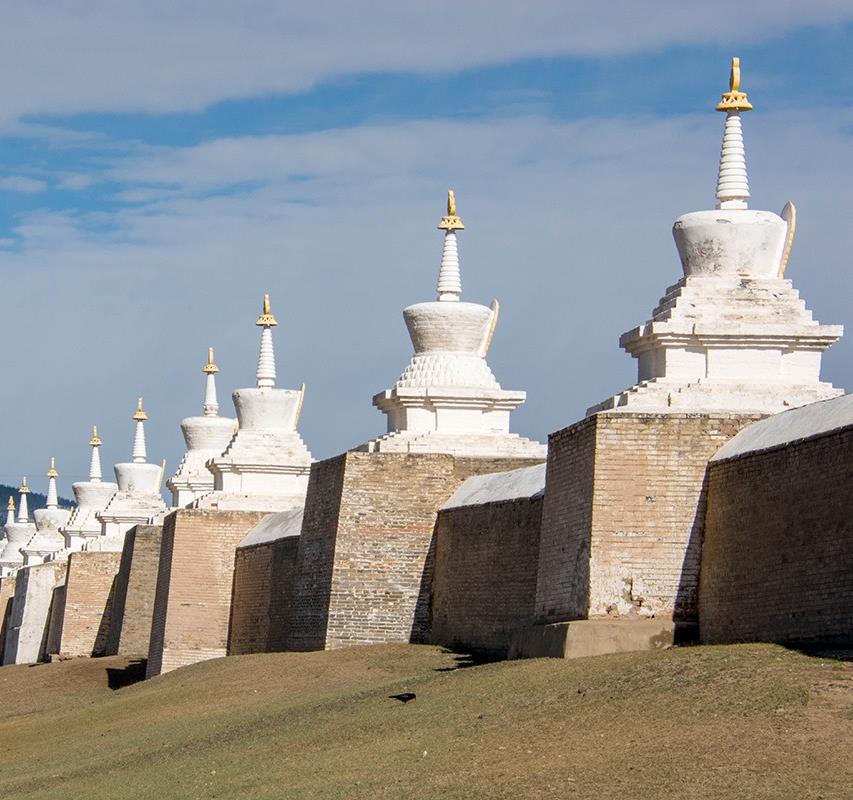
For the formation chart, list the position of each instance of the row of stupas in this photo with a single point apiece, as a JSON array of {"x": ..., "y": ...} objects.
[{"x": 731, "y": 335}]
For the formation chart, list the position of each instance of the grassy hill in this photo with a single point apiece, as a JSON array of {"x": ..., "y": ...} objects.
[{"x": 751, "y": 721}]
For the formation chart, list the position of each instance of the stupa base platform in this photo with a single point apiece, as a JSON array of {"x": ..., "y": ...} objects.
[
  {"x": 247, "y": 501},
  {"x": 463, "y": 445}
]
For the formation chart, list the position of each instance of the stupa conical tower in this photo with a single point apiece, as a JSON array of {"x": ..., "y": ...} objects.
[
  {"x": 92, "y": 497},
  {"x": 265, "y": 466},
  {"x": 206, "y": 437},
  {"x": 732, "y": 334},
  {"x": 18, "y": 533},
  {"x": 47, "y": 541},
  {"x": 447, "y": 399},
  {"x": 138, "y": 497}
]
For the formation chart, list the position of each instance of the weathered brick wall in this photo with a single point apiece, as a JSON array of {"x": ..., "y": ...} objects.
[
  {"x": 27, "y": 631},
  {"x": 263, "y": 586},
  {"x": 192, "y": 606},
  {"x": 484, "y": 587},
  {"x": 777, "y": 563},
  {"x": 7, "y": 594},
  {"x": 89, "y": 592},
  {"x": 624, "y": 513},
  {"x": 366, "y": 550},
  {"x": 136, "y": 584}
]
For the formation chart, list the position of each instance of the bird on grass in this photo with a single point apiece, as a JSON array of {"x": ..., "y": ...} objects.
[{"x": 403, "y": 697}]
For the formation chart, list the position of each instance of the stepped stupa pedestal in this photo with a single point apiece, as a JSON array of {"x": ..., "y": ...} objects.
[
  {"x": 732, "y": 334},
  {"x": 138, "y": 497},
  {"x": 19, "y": 530},
  {"x": 47, "y": 542},
  {"x": 206, "y": 437},
  {"x": 92, "y": 497},
  {"x": 266, "y": 464},
  {"x": 447, "y": 399}
]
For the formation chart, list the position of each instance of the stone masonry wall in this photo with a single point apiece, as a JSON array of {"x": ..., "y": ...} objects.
[
  {"x": 777, "y": 563},
  {"x": 89, "y": 591},
  {"x": 192, "y": 606},
  {"x": 7, "y": 594},
  {"x": 263, "y": 587},
  {"x": 484, "y": 586},
  {"x": 136, "y": 585},
  {"x": 364, "y": 571},
  {"x": 27, "y": 631},
  {"x": 624, "y": 513}
]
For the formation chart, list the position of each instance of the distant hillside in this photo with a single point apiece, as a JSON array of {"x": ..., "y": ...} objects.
[{"x": 36, "y": 500}]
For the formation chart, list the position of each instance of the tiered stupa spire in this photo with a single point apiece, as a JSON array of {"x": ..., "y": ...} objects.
[
  {"x": 10, "y": 511},
  {"x": 52, "y": 475},
  {"x": 95, "y": 475},
  {"x": 23, "y": 493},
  {"x": 266, "y": 355},
  {"x": 447, "y": 400},
  {"x": 139, "y": 455},
  {"x": 211, "y": 404},
  {"x": 19, "y": 531},
  {"x": 732, "y": 335},
  {"x": 47, "y": 543},
  {"x": 732, "y": 180}
]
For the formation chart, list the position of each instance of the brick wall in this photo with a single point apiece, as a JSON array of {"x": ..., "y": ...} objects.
[
  {"x": 136, "y": 584},
  {"x": 484, "y": 585},
  {"x": 7, "y": 594},
  {"x": 192, "y": 605},
  {"x": 364, "y": 568},
  {"x": 777, "y": 563},
  {"x": 623, "y": 515},
  {"x": 263, "y": 586},
  {"x": 89, "y": 592}
]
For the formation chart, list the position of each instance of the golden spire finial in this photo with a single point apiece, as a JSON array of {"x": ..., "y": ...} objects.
[
  {"x": 451, "y": 222},
  {"x": 11, "y": 504},
  {"x": 52, "y": 473},
  {"x": 734, "y": 99},
  {"x": 210, "y": 367},
  {"x": 95, "y": 441},
  {"x": 24, "y": 488},
  {"x": 140, "y": 415},
  {"x": 266, "y": 319}
]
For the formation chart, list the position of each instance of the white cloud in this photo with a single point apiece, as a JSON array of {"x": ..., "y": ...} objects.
[
  {"x": 567, "y": 224},
  {"x": 121, "y": 55},
  {"x": 21, "y": 183}
]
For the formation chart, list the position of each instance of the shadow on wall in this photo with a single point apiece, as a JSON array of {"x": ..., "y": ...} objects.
[
  {"x": 422, "y": 621},
  {"x": 685, "y": 613},
  {"x": 103, "y": 636}
]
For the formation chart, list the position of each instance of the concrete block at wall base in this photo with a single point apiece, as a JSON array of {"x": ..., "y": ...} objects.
[
  {"x": 7, "y": 596},
  {"x": 593, "y": 637}
]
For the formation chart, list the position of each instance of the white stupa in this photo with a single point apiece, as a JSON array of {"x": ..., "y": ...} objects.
[
  {"x": 732, "y": 334},
  {"x": 18, "y": 533},
  {"x": 92, "y": 497},
  {"x": 447, "y": 400},
  {"x": 266, "y": 465},
  {"x": 206, "y": 437},
  {"x": 138, "y": 498},
  {"x": 47, "y": 541}
]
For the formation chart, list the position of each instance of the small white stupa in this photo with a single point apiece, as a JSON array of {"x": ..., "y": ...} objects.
[
  {"x": 447, "y": 400},
  {"x": 47, "y": 541},
  {"x": 266, "y": 465},
  {"x": 732, "y": 335},
  {"x": 92, "y": 497},
  {"x": 138, "y": 498},
  {"x": 18, "y": 533},
  {"x": 206, "y": 437}
]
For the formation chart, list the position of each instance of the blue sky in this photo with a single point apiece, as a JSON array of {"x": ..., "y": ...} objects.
[{"x": 160, "y": 169}]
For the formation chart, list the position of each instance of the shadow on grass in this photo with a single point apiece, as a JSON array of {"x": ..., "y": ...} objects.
[
  {"x": 470, "y": 659},
  {"x": 833, "y": 652},
  {"x": 132, "y": 673}
]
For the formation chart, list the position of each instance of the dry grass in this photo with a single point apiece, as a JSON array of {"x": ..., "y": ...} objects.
[{"x": 750, "y": 721}]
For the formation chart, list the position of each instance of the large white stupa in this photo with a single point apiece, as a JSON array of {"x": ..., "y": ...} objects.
[
  {"x": 266, "y": 465},
  {"x": 138, "y": 497},
  {"x": 732, "y": 334},
  {"x": 92, "y": 497},
  {"x": 206, "y": 437},
  {"x": 447, "y": 400},
  {"x": 47, "y": 541},
  {"x": 18, "y": 532}
]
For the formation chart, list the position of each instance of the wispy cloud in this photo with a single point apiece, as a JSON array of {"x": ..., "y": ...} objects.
[{"x": 21, "y": 183}]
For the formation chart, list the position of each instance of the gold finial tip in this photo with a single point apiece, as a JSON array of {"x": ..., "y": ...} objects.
[
  {"x": 210, "y": 367},
  {"x": 266, "y": 319},
  {"x": 451, "y": 222},
  {"x": 140, "y": 415},
  {"x": 95, "y": 441},
  {"x": 24, "y": 488},
  {"x": 11, "y": 504},
  {"x": 52, "y": 473},
  {"x": 734, "y": 99}
]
